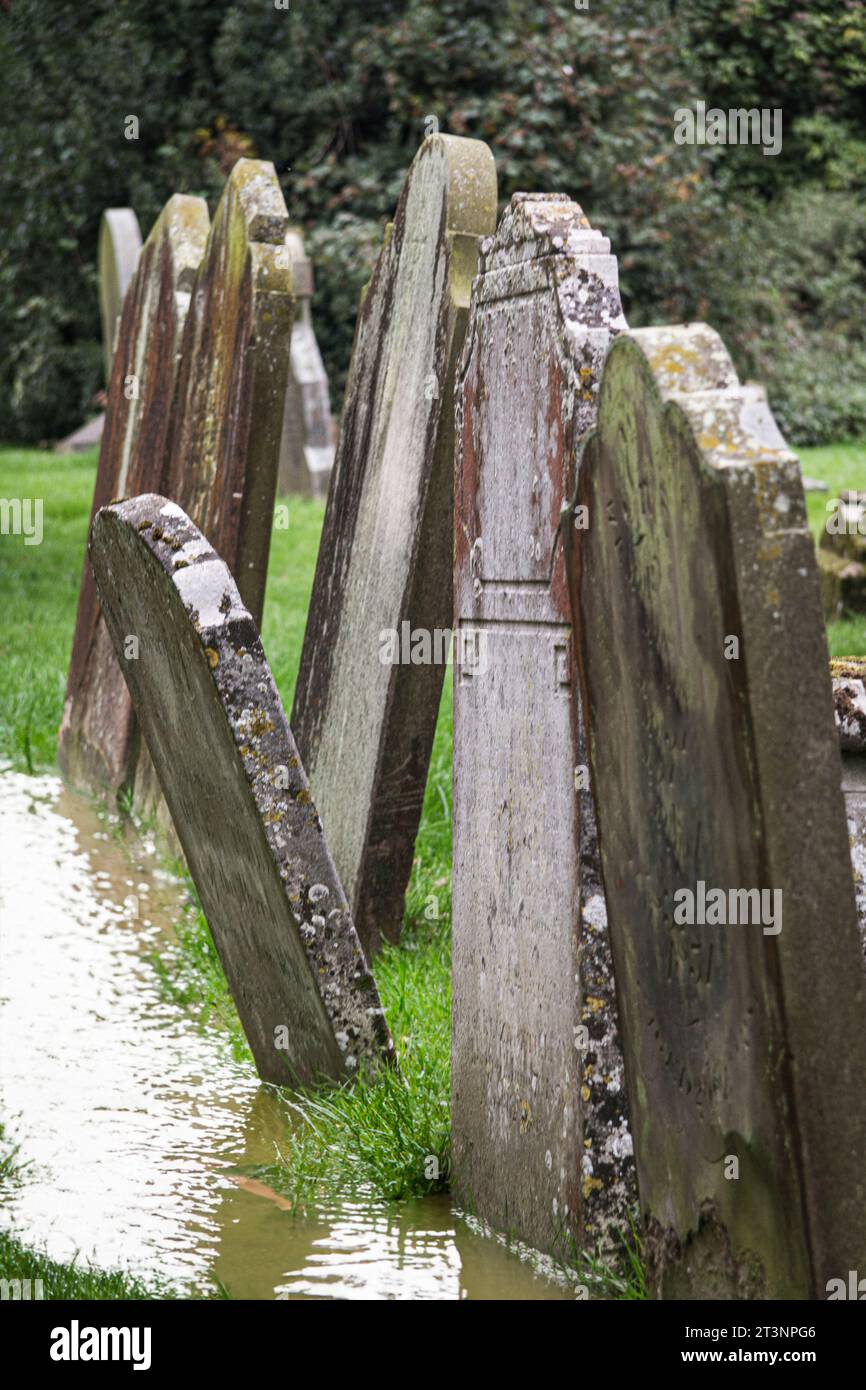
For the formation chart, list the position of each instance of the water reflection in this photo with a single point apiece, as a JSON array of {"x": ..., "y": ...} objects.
[{"x": 138, "y": 1126}]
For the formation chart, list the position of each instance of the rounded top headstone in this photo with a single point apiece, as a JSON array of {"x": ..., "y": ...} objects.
[{"x": 119, "y": 250}]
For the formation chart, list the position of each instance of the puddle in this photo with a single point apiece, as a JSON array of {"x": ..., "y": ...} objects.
[{"x": 137, "y": 1125}]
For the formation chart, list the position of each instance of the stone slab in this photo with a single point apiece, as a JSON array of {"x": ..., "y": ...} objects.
[
  {"x": 98, "y": 745},
  {"x": 227, "y": 414},
  {"x": 238, "y": 795},
  {"x": 541, "y": 1142},
  {"x": 714, "y": 771},
  {"x": 87, "y": 436},
  {"x": 365, "y": 726},
  {"x": 119, "y": 250},
  {"x": 307, "y": 450}
]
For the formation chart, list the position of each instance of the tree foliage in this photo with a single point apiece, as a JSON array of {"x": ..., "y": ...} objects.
[{"x": 771, "y": 250}]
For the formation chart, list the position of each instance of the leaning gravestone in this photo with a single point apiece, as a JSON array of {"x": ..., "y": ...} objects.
[
  {"x": 306, "y": 452},
  {"x": 540, "y": 1131},
  {"x": 119, "y": 250},
  {"x": 849, "y": 697},
  {"x": 229, "y": 408},
  {"x": 365, "y": 724},
  {"x": 715, "y": 767},
  {"x": 97, "y": 736},
  {"x": 240, "y": 800},
  {"x": 227, "y": 415}
]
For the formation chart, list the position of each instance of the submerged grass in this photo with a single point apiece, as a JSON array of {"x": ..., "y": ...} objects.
[
  {"x": 389, "y": 1140},
  {"x": 392, "y": 1140}
]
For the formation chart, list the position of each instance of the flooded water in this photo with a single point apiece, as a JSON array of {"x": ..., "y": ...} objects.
[{"x": 139, "y": 1130}]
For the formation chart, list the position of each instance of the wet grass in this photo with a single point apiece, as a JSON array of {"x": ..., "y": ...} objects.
[
  {"x": 71, "y": 1280},
  {"x": 390, "y": 1141},
  {"x": 51, "y": 1279}
]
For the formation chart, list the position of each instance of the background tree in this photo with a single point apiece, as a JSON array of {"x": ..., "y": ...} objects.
[{"x": 771, "y": 250}]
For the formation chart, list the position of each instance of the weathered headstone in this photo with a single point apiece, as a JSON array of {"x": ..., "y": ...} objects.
[
  {"x": 759, "y": 419},
  {"x": 86, "y": 437},
  {"x": 364, "y": 722},
  {"x": 716, "y": 774},
  {"x": 842, "y": 556},
  {"x": 119, "y": 250},
  {"x": 238, "y": 795},
  {"x": 307, "y": 451},
  {"x": 228, "y": 407},
  {"x": 849, "y": 698},
  {"x": 97, "y": 736},
  {"x": 540, "y": 1132}
]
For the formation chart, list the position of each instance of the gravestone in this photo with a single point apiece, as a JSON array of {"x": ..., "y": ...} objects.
[
  {"x": 759, "y": 419},
  {"x": 716, "y": 775},
  {"x": 97, "y": 735},
  {"x": 365, "y": 723},
  {"x": 238, "y": 795},
  {"x": 86, "y": 437},
  {"x": 540, "y": 1131},
  {"x": 842, "y": 556},
  {"x": 119, "y": 250},
  {"x": 849, "y": 698},
  {"x": 229, "y": 409},
  {"x": 307, "y": 451},
  {"x": 227, "y": 414}
]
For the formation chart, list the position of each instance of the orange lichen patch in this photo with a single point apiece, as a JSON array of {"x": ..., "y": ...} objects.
[
  {"x": 259, "y": 723},
  {"x": 212, "y": 657}
]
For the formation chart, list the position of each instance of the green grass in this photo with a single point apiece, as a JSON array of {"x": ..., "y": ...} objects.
[
  {"x": 840, "y": 466},
  {"x": 382, "y": 1138},
  {"x": 73, "y": 1280},
  {"x": 39, "y": 586},
  {"x": 389, "y": 1141},
  {"x": 61, "y": 1280}
]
